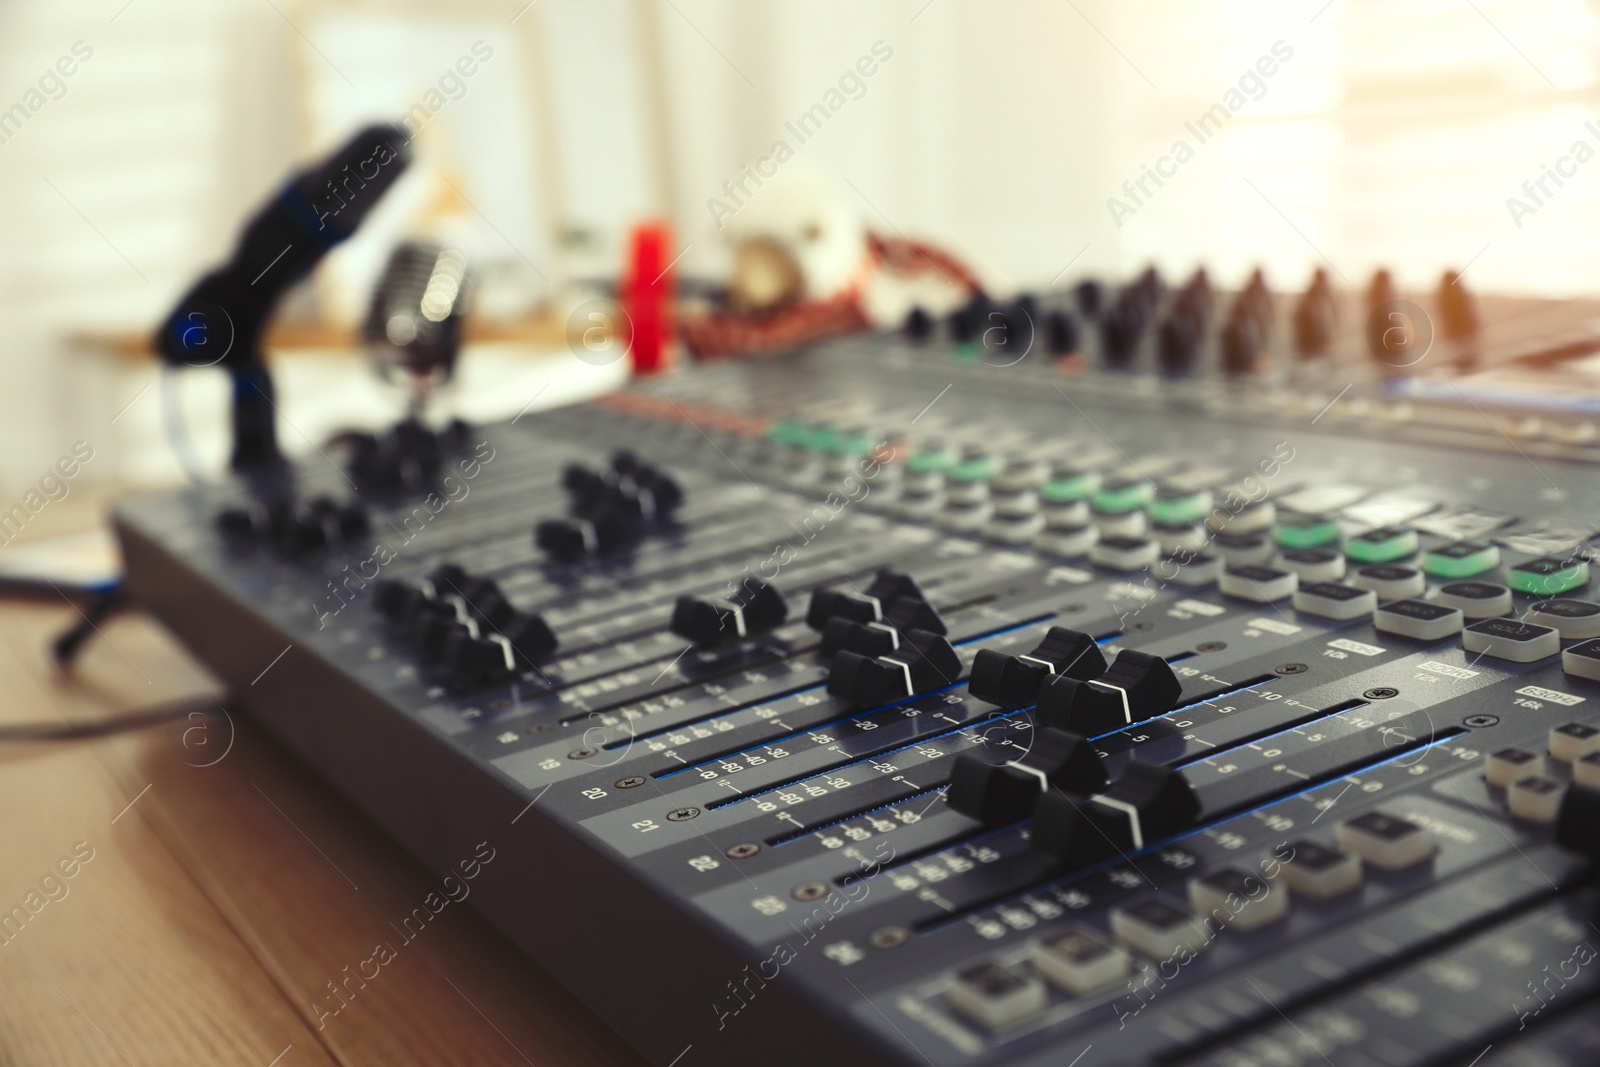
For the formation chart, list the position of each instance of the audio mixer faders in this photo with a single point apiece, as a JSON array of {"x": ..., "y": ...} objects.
[{"x": 888, "y": 703}]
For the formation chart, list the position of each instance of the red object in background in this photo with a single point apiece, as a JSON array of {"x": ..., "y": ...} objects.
[{"x": 647, "y": 296}]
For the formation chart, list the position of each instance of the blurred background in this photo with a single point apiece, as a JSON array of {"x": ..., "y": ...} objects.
[{"x": 1012, "y": 135}]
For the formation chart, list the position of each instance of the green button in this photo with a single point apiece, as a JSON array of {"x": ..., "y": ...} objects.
[
  {"x": 1120, "y": 497},
  {"x": 1180, "y": 507},
  {"x": 848, "y": 444},
  {"x": 1548, "y": 576},
  {"x": 1461, "y": 560},
  {"x": 1066, "y": 490},
  {"x": 965, "y": 353},
  {"x": 929, "y": 462},
  {"x": 977, "y": 469},
  {"x": 1305, "y": 531},
  {"x": 790, "y": 432},
  {"x": 1381, "y": 545}
]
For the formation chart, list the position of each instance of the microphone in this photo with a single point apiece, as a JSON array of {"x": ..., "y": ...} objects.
[{"x": 221, "y": 319}]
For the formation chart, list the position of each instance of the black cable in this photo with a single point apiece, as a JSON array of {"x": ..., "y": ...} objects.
[
  {"x": 64, "y": 649},
  {"x": 77, "y": 731}
]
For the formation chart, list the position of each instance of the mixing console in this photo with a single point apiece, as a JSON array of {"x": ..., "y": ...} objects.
[{"x": 926, "y": 700}]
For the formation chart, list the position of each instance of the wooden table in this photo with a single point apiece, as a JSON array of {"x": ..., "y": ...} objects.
[{"x": 219, "y": 891}]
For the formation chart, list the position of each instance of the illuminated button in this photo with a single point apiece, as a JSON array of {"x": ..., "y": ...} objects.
[
  {"x": 1124, "y": 553},
  {"x": 1586, "y": 771},
  {"x": 1463, "y": 559},
  {"x": 1252, "y": 518},
  {"x": 1297, "y": 530},
  {"x": 1189, "y": 568},
  {"x": 975, "y": 465},
  {"x": 1573, "y": 619},
  {"x": 1117, "y": 495},
  {"x": 1158, "y": 927},
  {"x": 1382, "y": 545},
  {"x": 1179, "y": 505},
  {"x": 1548, "y": 576},
  {"x": 1081, "y": 961},
  {"x": 996, "y": 996},
  {"x": 1508, "y": 639},
  {"x": 1319, "y": 873},
  {"x": 1571, "y": 741},
  {"x": 1190, "y": 536},
  {"x": 1389, "y": 581},
  {"x": 1384, "y": 841},
  {"x": 1313, "y": 564},
  {"x": 1510, "y": 764},
  {"x": 1238, "y": 899},
  {"x": 1119, "y": 523},
  {"x": 1067, "y": 540},
  {"x": 1477, "y": 600},
  {"x": 1260, "y": 584},
  {"x": 1332, "y": 600},
  {"x": 1535, "y": 798},
  {"x": 1420, "y": 619},
  {"x": 1068, "y": 483},
  {"x": 1242, "y": 548},
  {"x": 931, "y": 459}
]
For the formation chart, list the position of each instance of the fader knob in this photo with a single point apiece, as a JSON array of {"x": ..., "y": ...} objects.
[
  {"x": 1138, "y": 686},
  {"x": 999, "y": 793},
  {"x": 755, "y": 609},
  {"x": 1014, "y": 681},
  {"x": 923, "y": 662},
  {"x": 1147, "y": 804}
]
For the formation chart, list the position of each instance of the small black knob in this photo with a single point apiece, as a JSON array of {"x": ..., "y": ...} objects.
[
  {"x": 1061, "y": 334},
  {"x": 996, "y": 794},
  {"x": 531, "y": 637},
  {"x": 919, "y": 325}
]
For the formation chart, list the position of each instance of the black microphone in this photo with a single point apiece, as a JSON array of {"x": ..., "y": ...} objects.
[{"x": 220, "y": 320}]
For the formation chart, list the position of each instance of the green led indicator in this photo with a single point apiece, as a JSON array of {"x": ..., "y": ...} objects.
[
  {"x": 1123, "y": 497},
  {"x": 1548, "y": 576},
  {"x": 1306, "y": 532},
  {"x": 1461, "y": 560},
  {"x": 789, "y": 432},
  {"x": 978, "y": 469},
  {"x": 929, "y": 462},
  {"x": 1066, "y": 490},
  {"x": 1381, "y": 545},
  {"x": 1180, "y": 507}
]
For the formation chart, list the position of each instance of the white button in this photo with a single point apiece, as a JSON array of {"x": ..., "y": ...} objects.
[
  {"x": 1237, "y": 549},
  {"x": 1571, "y": 741},
  {"x": 1157, "y": 927},
  {"x": 1119, "y": 524},
  {"x": 1238, "y": 899},
  {"x": 1175, "y": 536},
  {"x": 1574, "y": 619},
  {"x": 1124, "y": 553},
  {"x": 1586, "y": 771},
  {"x": 1421, "y": 619},
  {"x": 1582, "y": 660},
  {"x": 1319, "y": 873},
  {"x": 1081, "y": 961},
  {"x": 1189, "y": 568},
  {"x": 1067, "y": 541},
  {"x": 1535, "y": 798},
  {"x": 1477, "y": 600},
  {"x": 1509, "y": 764},
  {"x": 1508, "y": 639},
  {"x": 1385, "y": 841},
  {"x": 1262, "y": 585},
  {"x": 1332, "y": 600},
  {"x": 1250, "y": 519},
  {"x": 1313, "y": 564},
  {"x": 996, "y": 996},
  {"x": 1066, "y": 512},
  {"x": 1389, "y": 581}
]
